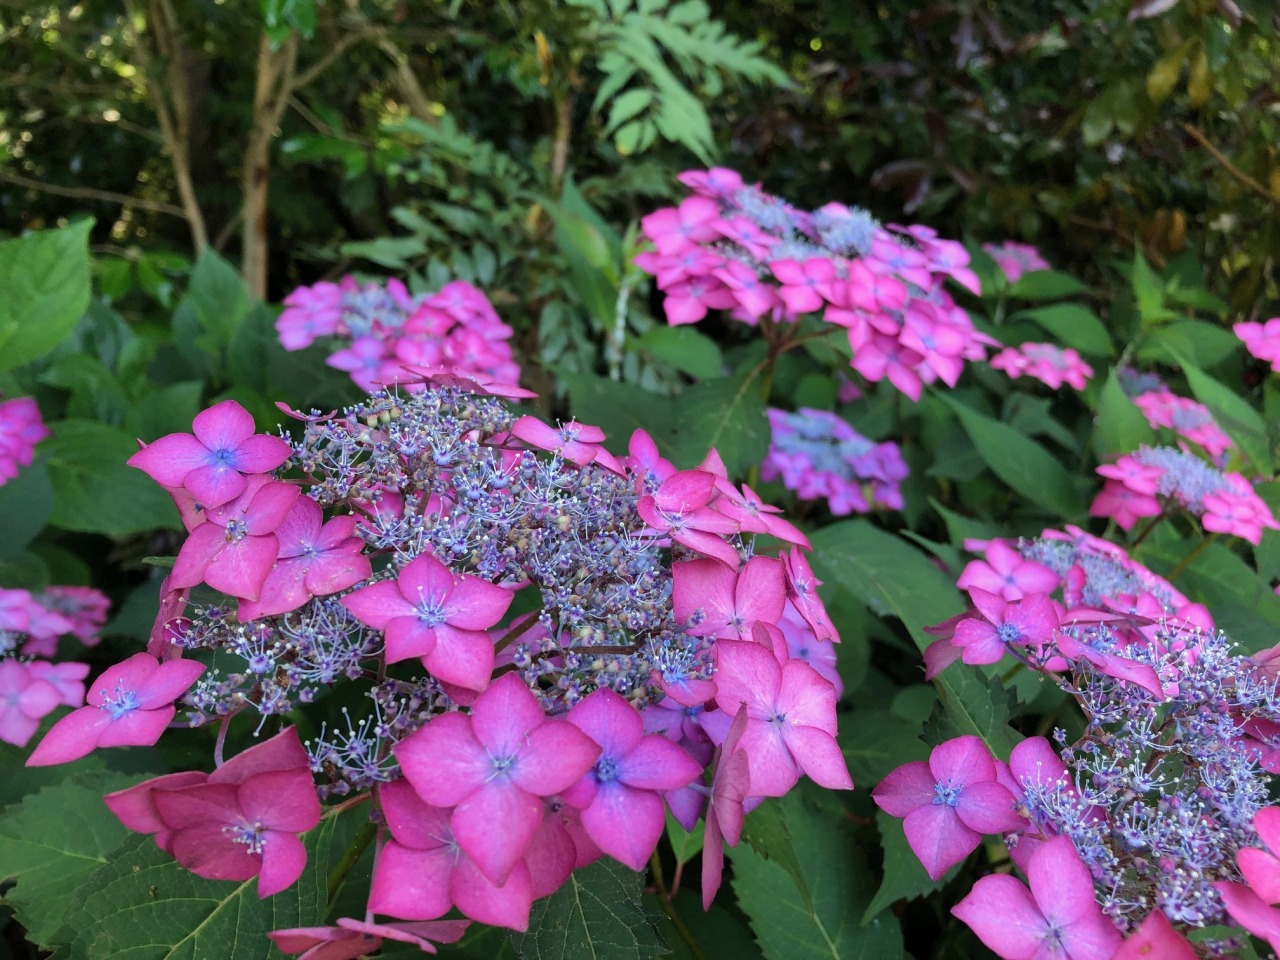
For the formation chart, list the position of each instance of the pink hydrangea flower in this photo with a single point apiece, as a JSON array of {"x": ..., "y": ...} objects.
[
  {"x": 1262, "y": 340},
  {"x": 1050, "y": 364},
  {"x": 727, "y": 602},
  {"x": 1031, "y": 620},
  {"x": 1005, "y": 571},
  {"x": 84, "y": 608},
  {"x": 948, "y": 803},
  {"x": 310, "y": 312},
  {"x": 431, "y": 613},
  {"x": 315, "y": 560},
  {"x": 730, "y": 787},
  {"x": 25, "y": 698},
  {"x": 226, "y": 831},
  {"x": 1058, "y": 916},
  {"x": 423, "y": 871},
  {"x": 790, "y": 717},
  {"x": 130, "y": 704},
  {"x": 20, "y": 430},
  {"x": 620, "y": 798},
  {"x": 236, "y": 547},
  {"x": 1015, "y": 259},
  {"x": 351, "y": 939},
  {"x": 493, "y": 767},
  {"x": 213, "y": 463},
  {"x": 681, "y": 509}
]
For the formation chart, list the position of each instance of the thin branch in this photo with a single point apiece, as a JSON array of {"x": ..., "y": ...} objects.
[
  {"x": 174, "y": 130},
  {"x": 1198, "y": 136},
  {"x": 89, "y": 193},
  {"x": 328, "y": 60}
]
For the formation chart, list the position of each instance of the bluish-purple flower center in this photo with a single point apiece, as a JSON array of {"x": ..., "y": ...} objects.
[
  {"x": 250, "y": 834},
  {"x": 946, "y": 792},
  {"x": 606, "y": 769},
  {"x": 124, "y": 702},
  {"x": 1009, "y": 632}
]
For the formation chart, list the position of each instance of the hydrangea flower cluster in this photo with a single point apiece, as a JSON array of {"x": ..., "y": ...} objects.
[
  {"x": 21, "y": 428},
  {"x": 387, "y": 327},
  {"x": 1050, "y": 364},
  {"x": 556, "y": 645},
  {"x": 820, "y": 456},
  {"x": 733, "y": 246},
  {"x": 1262, "y": 340},
  {"x": 1164, "y": 409},
  {"x": 1015, "y": 259},
  {"x": 31, "y": 685},
  {"x": 1149, "y": 810},
  {"x": 1146, "y": 483}
]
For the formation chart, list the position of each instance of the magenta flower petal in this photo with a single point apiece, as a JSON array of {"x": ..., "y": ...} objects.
[
  {"x": 746, "y": 673},
  {"x": 480, "y": 899},
  {"x": 407, "y": 637},
  {"x": 495, "y": 825},
  {"x": 987, "y": 807},
  {"x": 224, "y": 426},
  {"x": 476, "y": 604},
  {"x": 136, "y": 728},
  {"x": 168, "y": 460},
  {"x": 625, "y": 823},
  {"x": 170, "y": 680},
  {"x": 443, "y": 760},
  {"x": 818, "y": 755},
  {"x": 261, "y": 453},
  {"x": 656, "y": 763},
  {"x": 377, "y": 604},
  {"x": 610, "y": 721},
  {"x": 554, "y": 756},
  {"x": 503, "y": 717},
  {"x": 1001, "y": 911},
  {"x": 284, "y": 751},
  {"x": 962, "y": 760},
  {"x": 939, "y": 838},
  {"x": 1155, "y": 939},
  {"x": 773, "y": 770},
  {"x": 283, "y": 859},
  {"x": 205, "y": 850},
  {"x": 909, "y": 786},
  {"x": 281, "y": 799},
  {"x": 72, "y": 737},
  {"x": 134, "y": 806},
  {"x": 215, "y": 484},
  {"x": 411, "y": 884},
  {"x": 462, "y": 657},
  {"x": 806, "y": 698}
]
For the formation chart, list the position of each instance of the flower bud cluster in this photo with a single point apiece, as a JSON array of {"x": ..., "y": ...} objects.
[
  {"x": 820, "y": 456},
  {"x": 386, "y": 327},
  {"x": 733, "y": 246}
]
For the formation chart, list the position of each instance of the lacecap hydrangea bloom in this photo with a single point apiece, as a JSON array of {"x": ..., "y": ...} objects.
[
  {"x": 819, "y": 455},
  {"x": 1150, "y": 481},
  {"x": 32, "y": 686},
  {"x": 1262, "y": 340},
  {"x": 1015, "y": 259},
  {"x": 660, "y": 659},
  {"x": 1154, "y": 822},
  {"x": 1050, "y": 364},
  {"x": 733, "y": 246},
  {"x": 1189, "y": 420},
  {"x": 21, "y": 428},
  {"x": 383, "y": 327}
]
